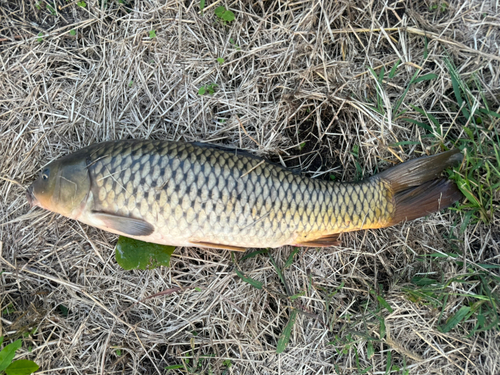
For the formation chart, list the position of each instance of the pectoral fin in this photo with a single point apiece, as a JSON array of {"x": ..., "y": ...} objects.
[
  {"x": 217, "y": 246},
  {"x": 125, "y": 225},
  {"x": 325, "y": 241}
]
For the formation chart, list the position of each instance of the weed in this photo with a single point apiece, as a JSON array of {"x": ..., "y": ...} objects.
[
  {"x": 82, "y": 4},
  {"x": 51, "y": 9},
  {"x": 152, "y": 34},
  {"x": 72, "y": 32},
  {"x": 224, "y": 14},
  {"x": 234, "y": 44},
  {"x": 209, "y": 88},
  {"x": 479, "y": 302},
  {"x": 220, "y": 60},
  {"x": 40, "y": 37},
  {"x": 10, "y": 367},
  {"x": 202, "y": 6}
]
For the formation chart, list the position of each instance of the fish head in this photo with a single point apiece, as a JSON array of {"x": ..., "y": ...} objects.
[{"x": 62, "y": 186}]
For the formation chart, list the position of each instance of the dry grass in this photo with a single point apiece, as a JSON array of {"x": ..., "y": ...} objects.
[{"x": 293, "y": 72}]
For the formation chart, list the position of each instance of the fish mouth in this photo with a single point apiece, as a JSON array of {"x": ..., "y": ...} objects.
[{"x": 31, "y": 198}]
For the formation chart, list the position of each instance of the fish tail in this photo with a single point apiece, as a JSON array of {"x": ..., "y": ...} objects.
[{"x": 417, "y": 189}]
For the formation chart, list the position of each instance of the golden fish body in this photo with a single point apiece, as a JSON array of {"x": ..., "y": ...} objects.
[{"x": 187, "y": 194}]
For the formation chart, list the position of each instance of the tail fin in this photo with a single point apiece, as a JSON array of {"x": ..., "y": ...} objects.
[{"x": 417, "y": 189}]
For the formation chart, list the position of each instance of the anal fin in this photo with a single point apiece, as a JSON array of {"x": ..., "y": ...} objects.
[
  {"x": 324, "y": 241},
  {"x": 217, "y": 246}
]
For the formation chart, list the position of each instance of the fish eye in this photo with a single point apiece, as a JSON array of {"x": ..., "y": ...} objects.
[{"x": 45, "y": 173}]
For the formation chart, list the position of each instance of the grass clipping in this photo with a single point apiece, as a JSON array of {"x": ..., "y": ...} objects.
[{"x": 339, "y": 89}]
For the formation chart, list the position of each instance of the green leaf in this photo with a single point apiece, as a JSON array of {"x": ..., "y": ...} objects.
[
  {"x": 1, "y": 340},
  {"x": 289, "y": 261},
  {"x": 152, "y": 34},
  {"x": 220, "y": 60},
  {"x": 202, "y": 6},
  {"x": 134, "y": 254},
  {"x": 455, "y": 319},
  {"x": 253, "y": 254},
  {"x": 252, "y": 282},
  {"x": 370, "y": 351},
  {"x": 425, "y": 77},
  {"x": 285, "y": 336},
  {"x": 51, "y": 9},
  {"x": 384, "y": 303},
  {"x": 382, "y": 328},
  {"x": 389, "y": 360},
  {"x": 82, "y": 4},
  {"x": 224, "y": 14},
  {"x": 219, "y": 11},
  {"x": 297, "y": 295},
  {"x": 202, "y": 90},
  {"x": 72, "y": 32},
  {"x": 22, "y": 367},
  {"x": 7, "y": 354},
  {"x": 40, "y": 37},
  {"x": 228, "y": 16},
  {"x": 392, "y": 73}
]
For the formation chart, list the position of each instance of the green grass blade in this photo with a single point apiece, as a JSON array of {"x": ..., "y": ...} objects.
[
  {"x": 392, "y": 73},
  {"x": 285, "y": 336},
  {"x": 455, "y": 319},
  {"x": 253, "y": 254},
  {"x": 289, "y": 261},
  {"x": 255, "y": 283},
  {"x": 425, "y": 77}
]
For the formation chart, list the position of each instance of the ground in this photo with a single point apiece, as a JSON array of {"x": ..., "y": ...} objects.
[{"x": 337, "y": 89}]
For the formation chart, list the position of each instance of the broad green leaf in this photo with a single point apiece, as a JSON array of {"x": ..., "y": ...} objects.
[
  {"x": 72, "y": 32},
  {"x": 7, "y": 354},
  {"x": 220, "y": 60},
  {"x": 1, "y": 340},
  {"x": 134, "y": 254},
  {"x": 219, "y": 11},
  {"x": 82, "y": 4},
  {"x": 285, "y": 336},
  {"x": 152, "y": 34},
  {"x": 255, "y": 283},
  {"x": 202, "y": 90},
  {"x": 22, "y": 367},
  {"x": 455, "y": 319},
  {"x": 202, "y": 6},
  {"x": 228, "y": 16}
]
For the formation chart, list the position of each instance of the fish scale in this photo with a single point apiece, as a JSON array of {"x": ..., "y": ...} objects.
[
  {"x": 186, "y": 194},
  {"x": 214, "y": 195}
]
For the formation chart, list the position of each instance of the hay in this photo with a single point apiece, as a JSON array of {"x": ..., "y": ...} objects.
[{"x": 294, "y": 87}]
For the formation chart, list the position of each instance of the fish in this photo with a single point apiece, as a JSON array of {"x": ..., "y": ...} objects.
[{"x": 209, "y": 196}]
